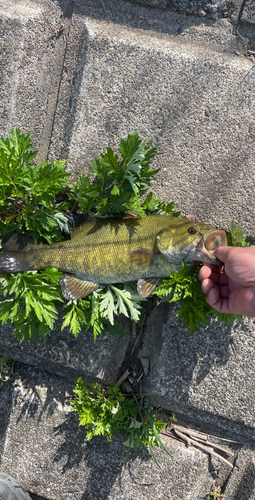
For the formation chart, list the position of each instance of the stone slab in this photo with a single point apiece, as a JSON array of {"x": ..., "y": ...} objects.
[
  {"x": 46, "y": 451},
  {"x": 68, "y": 357},
  {"x": 241, "y": 483},
  {"x": 190, "y": 93},
  {"x": 207, "y": 377},
  {"x": 32, "y": 52}
]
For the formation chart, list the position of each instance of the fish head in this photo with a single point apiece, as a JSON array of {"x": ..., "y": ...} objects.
[{"x": 190, "y": 241}]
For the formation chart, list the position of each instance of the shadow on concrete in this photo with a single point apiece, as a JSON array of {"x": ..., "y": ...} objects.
[
  {"x": 73, "y": 81},
  {"x": 245, "y": 487},
  {"x": 40, "y": 398},
  {"x": 101, "y": 456},
  {"x": 32, "y": 407},
  {"x": 36, "y": 497},
  {"x": 5, "y": 411},
  {"x": 185, "y": 359},
  {"x": 157, "y": 23}
]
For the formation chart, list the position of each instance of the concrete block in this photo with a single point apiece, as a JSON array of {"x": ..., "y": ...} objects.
[
  {"x": 189, "y": 93},
  {"x": 46, "y": 451},
  {"x": 68, "y": 357},
  {"x": 207, "y": 377},
  {"x": 241, "y": 483},
  {"x": 32, "y": 51},
  {"x": 202, "y": 8}
]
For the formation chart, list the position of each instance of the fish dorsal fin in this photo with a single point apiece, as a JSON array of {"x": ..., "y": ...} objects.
[
  {"x": 146, "y": 286},
  {"x": 84, "y": 227},
  {"x": 75, "y": 288},
  {"x": 142, "y": 256}
]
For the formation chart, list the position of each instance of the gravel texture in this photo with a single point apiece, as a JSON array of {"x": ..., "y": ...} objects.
[
  {"x": 213, "y": 9},
  {"x": 248, "y": 12}
]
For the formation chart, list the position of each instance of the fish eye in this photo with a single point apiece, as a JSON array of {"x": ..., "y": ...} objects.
[{"x": 192, "y": 230}]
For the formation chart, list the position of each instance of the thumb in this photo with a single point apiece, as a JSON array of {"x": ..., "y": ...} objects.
[{"x": 222, "y": 253}]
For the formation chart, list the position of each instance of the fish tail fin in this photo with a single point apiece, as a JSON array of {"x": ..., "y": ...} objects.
[{"x": 17, "y": 255}]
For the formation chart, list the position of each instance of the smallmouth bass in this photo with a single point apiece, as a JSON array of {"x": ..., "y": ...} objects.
[{"x": 116, "y": 250}]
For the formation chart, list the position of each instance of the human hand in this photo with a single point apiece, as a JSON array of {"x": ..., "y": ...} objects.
[{"x": 231, "y": 289}]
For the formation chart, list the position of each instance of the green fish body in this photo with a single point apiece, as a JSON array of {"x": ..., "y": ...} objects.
[{"x": 116, "y": 250}]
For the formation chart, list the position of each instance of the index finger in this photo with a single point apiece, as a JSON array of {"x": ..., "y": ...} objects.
[{"x": 207, "y": 270}]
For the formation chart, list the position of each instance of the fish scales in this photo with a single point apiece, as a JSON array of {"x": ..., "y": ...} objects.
[
  {"x": 116, "y": 250},
  {"x": 101, "y": 250}
]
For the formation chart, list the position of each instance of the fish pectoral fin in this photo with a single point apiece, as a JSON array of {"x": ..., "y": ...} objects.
[
  {"x": 76, "y": 288},
  {"x": 146, "y": 286},
  {"x": 142, "y": 257}
]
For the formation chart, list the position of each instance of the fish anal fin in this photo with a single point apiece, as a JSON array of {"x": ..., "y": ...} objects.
[
  {"x": 145, "y": 286},
  {"x": 142, "y": 257},
  {"x": 75, "y": 288}
]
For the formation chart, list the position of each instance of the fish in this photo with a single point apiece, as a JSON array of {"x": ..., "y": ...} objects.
[{"x": 116, "y": 250}]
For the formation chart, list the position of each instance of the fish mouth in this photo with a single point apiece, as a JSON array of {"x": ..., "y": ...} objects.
[{"x": 209, "y": 243}]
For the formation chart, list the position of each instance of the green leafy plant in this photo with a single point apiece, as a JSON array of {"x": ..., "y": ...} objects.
[
  {"x": 120, "y": 181},
  {"x": 184, "y": 287},
  {"x": 237, "y": 237},
  {"x": 216, "y": 493},
  {"x": 27, "y": 191},
  {"x": 35, "y": 198},
  {"x": 4, "y": 366},
  {"x": 31, "y": 306},
  {"x": 30, "y": 202},
  {"x": 105, "y": 412}
]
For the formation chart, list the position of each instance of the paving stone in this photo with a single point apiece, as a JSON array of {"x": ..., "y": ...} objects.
[
  {"x": 178, "y": 80},
  {"x": 68, "y": 357},
  {"x": 32, "y": 52},
  {"x": 208, "y": 376},
  {"x": 193, "y": 98},
  {"x": 241, "y": 483},
  {"x": 46, "y": 451}
]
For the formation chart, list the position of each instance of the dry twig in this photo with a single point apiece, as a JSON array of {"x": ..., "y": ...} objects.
[
  {"x": 203, "y": 437},
  {"x": 139, "y": 335},
  {"x": 123, "y": 377},
  {"x": 194, "y": 438},
  {"x": 133, "y": 333}
]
